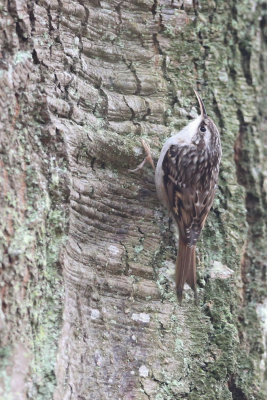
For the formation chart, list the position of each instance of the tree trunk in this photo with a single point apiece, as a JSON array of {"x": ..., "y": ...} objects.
[{"x": 89, "y": 309}]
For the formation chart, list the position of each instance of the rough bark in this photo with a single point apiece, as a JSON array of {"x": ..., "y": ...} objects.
[{"x": 82, "y": 238}]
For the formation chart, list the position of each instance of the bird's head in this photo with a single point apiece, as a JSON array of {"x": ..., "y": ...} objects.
[{"x": 206, "y": 133}]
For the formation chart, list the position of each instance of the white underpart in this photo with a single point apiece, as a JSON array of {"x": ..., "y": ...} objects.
[{"x": 183, "y": 137}]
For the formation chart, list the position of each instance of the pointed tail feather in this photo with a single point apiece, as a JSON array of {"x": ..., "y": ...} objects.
[{"x": 185, "y": 269}]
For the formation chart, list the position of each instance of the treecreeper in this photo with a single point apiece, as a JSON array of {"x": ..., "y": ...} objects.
[{"x": 186, "y": 176}]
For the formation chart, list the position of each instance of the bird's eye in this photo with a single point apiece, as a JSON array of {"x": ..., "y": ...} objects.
[{"x": 202, "y": 128}]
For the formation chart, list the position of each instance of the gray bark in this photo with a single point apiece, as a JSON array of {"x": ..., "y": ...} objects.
[{"x": 87, "y": 293}]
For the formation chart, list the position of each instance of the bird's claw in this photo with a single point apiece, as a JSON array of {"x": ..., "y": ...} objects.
[{"x": 147, "y": 158}]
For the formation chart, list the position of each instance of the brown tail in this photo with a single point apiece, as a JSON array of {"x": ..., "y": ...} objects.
[{"x": 185, "y": 269}]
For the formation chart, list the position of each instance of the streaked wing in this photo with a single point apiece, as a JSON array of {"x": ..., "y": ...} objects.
[{"x": 189, "y": 198}]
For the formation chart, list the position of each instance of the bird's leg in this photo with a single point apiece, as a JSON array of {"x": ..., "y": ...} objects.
[{"x": 147, "y": 158}]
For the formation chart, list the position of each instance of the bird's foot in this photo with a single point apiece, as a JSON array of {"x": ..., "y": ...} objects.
[{"x": 147, "y": 158}]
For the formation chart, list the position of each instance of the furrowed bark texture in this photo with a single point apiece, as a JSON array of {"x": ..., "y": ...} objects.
[{"x": 84, "y": 239}]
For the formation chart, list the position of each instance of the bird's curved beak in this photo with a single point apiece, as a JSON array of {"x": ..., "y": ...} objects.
[{"x": 201, "y": 105}]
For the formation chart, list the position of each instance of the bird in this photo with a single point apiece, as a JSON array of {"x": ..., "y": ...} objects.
[{"x": 186, "y": 178}]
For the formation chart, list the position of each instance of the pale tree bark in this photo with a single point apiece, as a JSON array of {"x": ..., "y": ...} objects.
[{"x": 87, "y": 294}]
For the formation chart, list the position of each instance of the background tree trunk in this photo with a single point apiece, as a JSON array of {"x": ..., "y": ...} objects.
[{"x": 87, "y": 256}]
